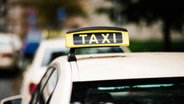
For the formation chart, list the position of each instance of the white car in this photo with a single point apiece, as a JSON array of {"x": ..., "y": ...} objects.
[
  {"x": 10, "y": 51},
  {"x": 109, "y": 78},
  {"x": 47, "y": 51}
]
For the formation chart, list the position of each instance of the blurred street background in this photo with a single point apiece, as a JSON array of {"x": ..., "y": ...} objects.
[{"x": 153, "y": 26}]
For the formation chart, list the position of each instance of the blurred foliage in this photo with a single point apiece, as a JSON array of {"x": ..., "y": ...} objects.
[
  {"x": 149, "y": 10},
  {"x": 47, "y": 10},
  {"x": 169, "y": 12}
]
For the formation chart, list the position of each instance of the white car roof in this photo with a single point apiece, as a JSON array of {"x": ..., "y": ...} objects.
[{"x": 129, "y": 65}]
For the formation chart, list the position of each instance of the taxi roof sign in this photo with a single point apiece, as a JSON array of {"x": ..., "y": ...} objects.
[{"x": 97, "y": 37}]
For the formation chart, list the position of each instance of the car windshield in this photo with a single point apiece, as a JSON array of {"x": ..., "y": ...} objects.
[
  {"x": 4, "y": 43},
  {"x": 10, "y": 42},
  {"x": 143, "y": 91},
  {"x": 52, "y": 54}
]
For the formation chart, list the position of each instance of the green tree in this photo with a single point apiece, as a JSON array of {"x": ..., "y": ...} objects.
[
  {"x": 170, "y": 12},
  {"x": 47, "y": 10}
]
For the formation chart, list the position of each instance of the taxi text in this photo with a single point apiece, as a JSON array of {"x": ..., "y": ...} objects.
[{"x": 98, "y": 38}]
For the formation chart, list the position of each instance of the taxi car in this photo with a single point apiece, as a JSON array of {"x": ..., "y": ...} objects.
[
  {"x": 110, "y": 78},
  {"x": 47, "y": 51}
]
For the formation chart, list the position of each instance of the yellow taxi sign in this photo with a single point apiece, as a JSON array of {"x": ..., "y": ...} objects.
[{"x": 96, "y": 37}]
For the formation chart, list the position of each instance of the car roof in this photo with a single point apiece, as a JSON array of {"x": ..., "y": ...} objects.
[
  {"x": 118, "y": 65},
  {"x": 129, "y": 65}
]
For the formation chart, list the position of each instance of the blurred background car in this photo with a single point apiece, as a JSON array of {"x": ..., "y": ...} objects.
[
  {"x": 10, "y": 51},
  {"x": 46, "y": 52}
]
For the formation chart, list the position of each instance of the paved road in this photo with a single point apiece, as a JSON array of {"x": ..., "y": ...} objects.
[{"x": 9, "y": 83}]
